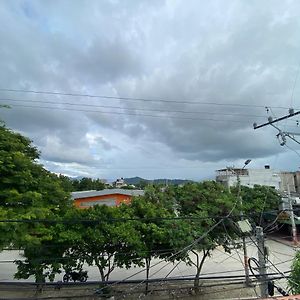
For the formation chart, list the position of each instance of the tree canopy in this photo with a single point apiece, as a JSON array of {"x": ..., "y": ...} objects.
[
  {"x": 294, "y": 278},
  {"x": 172, "y": 223},
  {"x": 27, "y": 192}
]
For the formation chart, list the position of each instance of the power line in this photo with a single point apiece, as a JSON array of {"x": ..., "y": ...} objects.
[
  {"x": 50, "y": 259},
  {"x": 133, "y": 109},
  {"x": 129, "y": 114},
  {"x": 189, "y": 247},
  {"x": 27, "y": 284},
  {"x": 271, "y": 121},
  {"x": 96, "y": 221},
  {"x": 135, "y": 99},
  {"x": 294, "y": 85},
  {"x": 298, "y": 154},
  {"x": 273, "y": 265},
  {"x": 129, "y": 108}
]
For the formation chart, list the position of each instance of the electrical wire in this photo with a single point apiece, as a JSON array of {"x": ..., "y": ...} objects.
[
  {"x": 228, "y": 256},
  {"x": 210, "y": 286},
  {"x": 275, "y": 228},
  {"x": 292, "y": 138},
  {"x": 192, "y": 244},
  {"x": 294, "y": 85},
  {"x": 135, "y": 99},
  {"x": 285, "y": 254},
  {"x": 133, "y": 109},
  {"x": 130, "y": 114},
  {"x": 278, "y": 259},
  {"x": 98, "y": 221},
  {"x": 274, "y": 266},
  {"x": 262, "y": 211},
  {"x": 298, "y": 154},
  {"x": 189, "y": 247},
  {"x": 223, "y": 219}
]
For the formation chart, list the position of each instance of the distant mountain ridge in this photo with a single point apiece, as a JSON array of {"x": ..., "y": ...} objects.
[{"x": 136, "y": 180}]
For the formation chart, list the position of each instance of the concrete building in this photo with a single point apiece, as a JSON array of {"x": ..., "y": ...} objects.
[
  {"x": 120, "y": 182},
  {"x": 249, "y": 177},
  {"x": 109, "y": 197},
  {"x": 290, "y": 181}
]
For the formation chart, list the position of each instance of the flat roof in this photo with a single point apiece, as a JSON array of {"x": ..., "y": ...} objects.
[{"x": 94, "y": 193}]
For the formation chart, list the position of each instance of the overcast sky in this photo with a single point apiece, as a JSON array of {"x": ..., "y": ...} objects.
[{"x": 211, "y": 68}]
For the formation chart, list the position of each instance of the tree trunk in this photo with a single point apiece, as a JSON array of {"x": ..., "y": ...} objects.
[
  {"x": 148, "y": 261},
  {"x": 110, "y": 267},
  {"x": 101, "y": 271},
  {"x": 40, "y": 280},
  {"x": 199, "y": 268}
]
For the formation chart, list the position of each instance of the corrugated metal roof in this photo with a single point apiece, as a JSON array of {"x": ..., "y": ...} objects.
[{"x": 87, "y": 194}]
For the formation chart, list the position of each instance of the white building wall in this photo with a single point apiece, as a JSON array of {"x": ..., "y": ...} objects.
[{"x": 266, "y": 177}]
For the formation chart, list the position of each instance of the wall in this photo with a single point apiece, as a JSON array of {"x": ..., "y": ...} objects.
[
  {"x": 287, "y": 182},
  {"x": 251, "y": 177},
  {"x": 109, "y": 200},
  {"x": 297, "y": 181},
  {"x": 266, "y": 177}
]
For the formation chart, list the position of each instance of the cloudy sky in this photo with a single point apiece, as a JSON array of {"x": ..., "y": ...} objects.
[{"x": 178, "y": 84}]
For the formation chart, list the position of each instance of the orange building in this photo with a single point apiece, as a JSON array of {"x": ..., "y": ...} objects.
[{"x": 109, "y": 197}]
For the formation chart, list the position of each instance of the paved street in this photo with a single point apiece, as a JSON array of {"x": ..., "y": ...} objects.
[{"x": 219, "y": 264}]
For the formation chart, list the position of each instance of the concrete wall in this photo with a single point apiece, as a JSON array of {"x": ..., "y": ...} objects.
[
  {"x": 287, "y": 182},
  {"x": 251, "y": 177}
]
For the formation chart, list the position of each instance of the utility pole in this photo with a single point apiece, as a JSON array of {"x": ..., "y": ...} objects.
[
  {"x": 271, "y": 121},
  {"x": 294, "y": 228},
  {"x": 282, "y": 135},
  {"x": 246, "y": 265},
  {"x": 262, "y": 262}
]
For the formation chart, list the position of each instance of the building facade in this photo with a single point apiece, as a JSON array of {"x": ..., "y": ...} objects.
[
  {"x": 249, "y": 177},
  {"x": 109, "y": 197},
  {"x": 290, "y": 182},
  {"x": 280, "y": 180}
]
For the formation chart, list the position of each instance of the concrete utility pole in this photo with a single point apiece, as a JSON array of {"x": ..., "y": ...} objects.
[
  {"x": 246, "y": 265},
  {"x": 282, "y": 135},
  {"x": 271, "y": 121},
  {"x": 294, "y": 228},
  {"x": 262, "y": 262}
]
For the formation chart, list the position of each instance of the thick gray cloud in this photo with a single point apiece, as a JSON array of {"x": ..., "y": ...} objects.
[{"x": 233, "y": 52}]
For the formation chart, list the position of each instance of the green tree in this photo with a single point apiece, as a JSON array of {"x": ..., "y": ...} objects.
[
  {"x": 142, "y": 184},
  {"x": 25, "y": 184},
  {"x": 205, "y": 203},
  {"x": 66, "y": 183},
  {"x": 162, "y": 196},
  {"x": 27, "y": 192},
  {"x": 259, "y": 199},
  {"x": 160, "y": 236},
  {"x": 103, "y": 240},
  {"x": 85, "y": 184},
  {"x": 294, "y": 278}
]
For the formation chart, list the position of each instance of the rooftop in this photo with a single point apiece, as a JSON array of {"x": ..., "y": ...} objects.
[{"x": 94, "y": 193}]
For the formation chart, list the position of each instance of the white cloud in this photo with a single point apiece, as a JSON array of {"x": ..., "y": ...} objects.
[{"x": 229, "y": 52}]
